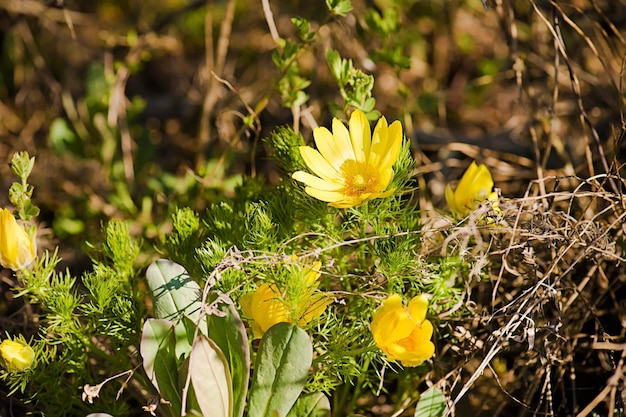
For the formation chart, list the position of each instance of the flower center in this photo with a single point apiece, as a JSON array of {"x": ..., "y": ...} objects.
[{"x": 358, "y": 178}]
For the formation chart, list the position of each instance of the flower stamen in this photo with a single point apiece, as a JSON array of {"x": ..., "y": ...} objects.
[{"x": 357, "y": 180}]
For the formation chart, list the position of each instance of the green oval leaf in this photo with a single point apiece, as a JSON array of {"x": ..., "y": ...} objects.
[
  {"x": 210, "y": 378},
  {"x": 158, "y": 350},
  {"x": 432, "y": 403},
  {"x": 315, "y": 404},
  {"x": 281, "y": 368},
  {"x": 174, "y": 293},
  {"x": 228, "y": 332}
]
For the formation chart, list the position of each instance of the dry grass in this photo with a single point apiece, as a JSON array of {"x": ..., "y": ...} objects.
[{"x": 549, "y": 327}]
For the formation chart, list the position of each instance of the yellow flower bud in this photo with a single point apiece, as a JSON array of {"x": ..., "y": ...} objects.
[
  {"x": 17, "y": 249},
  {"x": 16, "y": 355},
  {"x": 475, "y": 187},
  {"x": 270, "y": 305},
  {"x": 403, "y": 334}
]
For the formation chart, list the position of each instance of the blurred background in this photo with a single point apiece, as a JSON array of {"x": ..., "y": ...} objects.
[{"x": 134, "y": 107}]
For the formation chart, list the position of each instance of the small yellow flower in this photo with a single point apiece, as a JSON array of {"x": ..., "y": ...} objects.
[
  {"x": 270, "y": 305},
  {"x": 17, "y": 249},
  {"x": 16, "y": 355},
  {"x": 351, "y": 166},
  {"x": 403, "y": 334},
  {"x": 475, "y": 187}
]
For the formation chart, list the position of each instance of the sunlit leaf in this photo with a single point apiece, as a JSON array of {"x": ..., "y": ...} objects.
[
  {"x": 315, "y": 404},
  {"x": 432, "y": 403},
  {"x": 210, "y": 378},
  {"x": 281, "y": 368},
  {"x": 158, "y": 351},
  {"x": 228, "y": 332},
  {"x": 174, "y": 293}
]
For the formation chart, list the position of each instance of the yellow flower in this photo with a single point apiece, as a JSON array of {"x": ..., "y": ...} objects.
[
  {"x": 403, "y": 334},
  {"x": 16, "y": 355},
  {"x": 351, "y": 166},
  {"x": 17, "y": 249},
  {"x": 270, "y": 305},
  {"x": 475, "y": 187}
]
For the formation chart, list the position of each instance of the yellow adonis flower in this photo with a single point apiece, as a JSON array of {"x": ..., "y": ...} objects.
[
  {"x": 351, "y": 165},
  {"x": 270, "y": 305},
  {"x": 475, "y": 187},
  {"x": 17, "y": 249},
  {"x": 16, "y": 355},
  {"x": 402, "y": 333}
]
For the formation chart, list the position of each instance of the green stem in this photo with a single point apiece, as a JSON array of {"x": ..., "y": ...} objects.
[
  {"x": 365, "y": 218},
  {"x": 341, "y": 395},
  {"x": 359, "y": 385},
  {"x": 356, "y": 352},
  {"x": 364, "y": 223}
]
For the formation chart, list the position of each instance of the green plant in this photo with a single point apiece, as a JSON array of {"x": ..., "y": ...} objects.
[{"x": 197, "y": 355}]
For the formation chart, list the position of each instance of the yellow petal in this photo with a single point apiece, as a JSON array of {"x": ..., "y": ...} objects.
[
  {"x": 384, "y": 179},
  {"x": 316, "y": 182},
  {"x": 390, "y": 304},
  {"x": 418, "y": 355},
  {"x": 332, "y": 146},
  {"x": 257, "y": 331},
  {"x": 468, "y": 177},
  {"x": 311, "y": 276},
  {"x": 8, "y": 231},
  {"x": 413, "y": 349},
  {"x": 316, "y": 163},
  {"x": 423, "y": 332},
  {"x": 387, "y": 193},
  {"x": 245, "y": 301},
  {"x": 468, "y": 181},
  {"x": 275, "y": 312},
  {"x": 316, "y": 306},
  {"x": 418, "y": 307},
  {"x": 347, "y": 202},
  {"x": 483, "y": 179},
  {"x": 17, "y": 249},
  {"x": 391, "y": 322},
  {"x": 343, "y": 140},
  {"x": 379, "y": 147},
  {"x": 360, "y": 134},
  {"x": 266, "y": 308},
  {"x": 451, "y": 202},
  {"x": 328, "y": 196},
  {"x": 475, "y": 187},
  {"x": 394, "y": 145}
]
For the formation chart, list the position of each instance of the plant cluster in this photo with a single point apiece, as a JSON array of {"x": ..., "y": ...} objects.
[{"x": 329, "y": 258}]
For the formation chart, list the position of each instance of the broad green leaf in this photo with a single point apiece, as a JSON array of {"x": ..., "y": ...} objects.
[
  {"x": 314, "y": 404},
  {"x": 281, "y": 368},
  {"x": 158, "y": 351},
  {"x": 210, "y": 378},
  {"x": 432, "y": 403},
  {"x": 174, "y": 293},
  {"x": 228, "y": 332}
]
